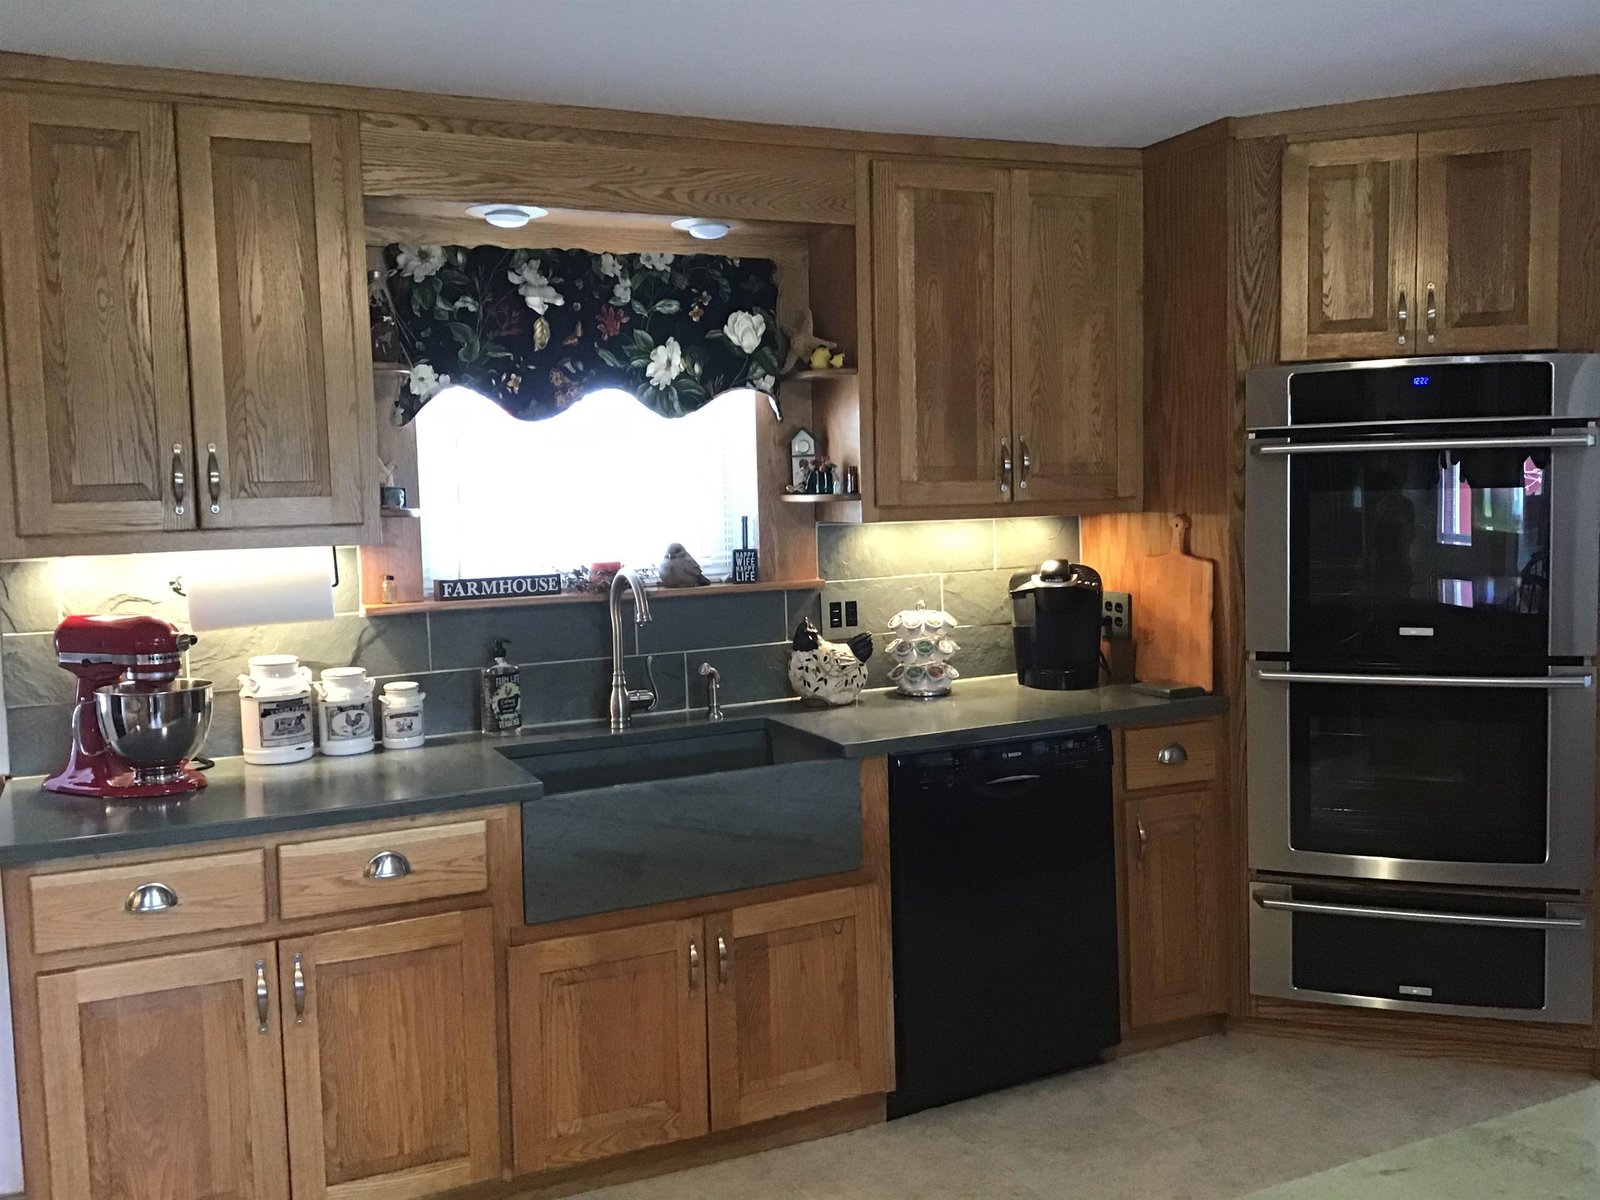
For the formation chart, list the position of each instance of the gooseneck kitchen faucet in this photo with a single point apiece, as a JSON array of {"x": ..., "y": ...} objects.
[{"x": 623, "y": 698}]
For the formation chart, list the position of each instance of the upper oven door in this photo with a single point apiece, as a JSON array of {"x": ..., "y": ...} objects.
[{"x": 1428, "y": 547}]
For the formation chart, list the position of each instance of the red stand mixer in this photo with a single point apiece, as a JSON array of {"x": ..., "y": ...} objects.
[{"x": 137, "y": 723}]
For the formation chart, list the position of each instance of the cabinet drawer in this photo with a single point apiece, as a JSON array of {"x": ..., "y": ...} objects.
[
  {"x": 1169, "y": 755},
  {"x": 74, "y": 910},
  {"x": 374, "y": 870}
]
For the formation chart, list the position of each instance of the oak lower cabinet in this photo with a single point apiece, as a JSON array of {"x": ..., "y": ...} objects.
[
  {"x": 1008, "y": 339},
  {"x": 349, "y": 1064},
  {"x": 609, "y": 1031},
  {"x": 797, "y": 1006},
  {"x": 390, "y": 1057},
  {"x": 165, "y": 1079},
  {"x": 1443, "y": 242},
  {"x": 608, "y": 1042},
  {"x": 182, "y": 346},
  {"x": 1172, "y": 849}
]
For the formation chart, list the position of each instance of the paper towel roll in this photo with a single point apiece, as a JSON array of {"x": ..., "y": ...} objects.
[{"x": 302, "y": 595}]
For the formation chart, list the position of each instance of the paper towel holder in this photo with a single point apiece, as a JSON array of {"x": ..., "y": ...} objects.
[{"x": 176, "y": 582}]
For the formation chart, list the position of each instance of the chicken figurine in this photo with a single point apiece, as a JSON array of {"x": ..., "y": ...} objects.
[{"x": 827, "y": 672}]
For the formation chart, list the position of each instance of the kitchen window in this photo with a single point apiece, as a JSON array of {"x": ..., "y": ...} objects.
[{"x": 606, "y": 480}]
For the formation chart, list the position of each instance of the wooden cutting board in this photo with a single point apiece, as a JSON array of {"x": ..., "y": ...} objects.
[{"x": 1172, "y": 598}]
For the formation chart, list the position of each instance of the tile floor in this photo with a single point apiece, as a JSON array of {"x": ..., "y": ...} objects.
[{"x": 1228, "y": 1116}]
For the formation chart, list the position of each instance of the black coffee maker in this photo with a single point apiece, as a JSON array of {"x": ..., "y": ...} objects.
[{"x": 1056, "y": 616}]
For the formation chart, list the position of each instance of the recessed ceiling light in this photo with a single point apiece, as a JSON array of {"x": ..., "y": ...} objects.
[
  {"x": 508, "y": 216},
  {"x": 702, "y": 228}
]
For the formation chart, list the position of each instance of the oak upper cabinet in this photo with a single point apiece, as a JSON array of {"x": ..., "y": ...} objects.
[
  {"x": 797, "y": 1005},
  {"x": 91, "y": 291},
  {"x": 608, "y": 1042},
  {"x": 1007, "y": 337},
  {"x": 1487, "y": 237},
  {"x": 390, "y": 1057},
  {"x": 269, "y": 200},
  {"x": 179, "y": 298},
  {"x": 1077, "y": 336},
  {"x": 1443, "y": 242},
  {"x": 1350, "y": 248},
  {"x": 942, "y": 301},
  {"x": 1172, "y": 907},
  {"x": 163, "y": 1079}
]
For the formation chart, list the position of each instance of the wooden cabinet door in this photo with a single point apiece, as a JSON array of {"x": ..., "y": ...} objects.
[
  {"x": 1171, "y": 843},
  {"x": 1488, "y": 229},
  {"x": 163, "y": 1079},
  {"x": 608, "y": 1043},
  {"x": 1077, "y": 337},
  {"x": 91, "y": 288},
  {"x": 797, "y": 1008},
  {"x": 1350, "y": 248},
  {"x": 390, "y": 1058},
  {"x": 273, "y": 261},
  {"x": 942, "y": 341}
]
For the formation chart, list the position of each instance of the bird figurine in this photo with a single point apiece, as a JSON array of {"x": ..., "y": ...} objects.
[
  {"x": 823, "y": 672},
  {"x": 679, "y": 569}
]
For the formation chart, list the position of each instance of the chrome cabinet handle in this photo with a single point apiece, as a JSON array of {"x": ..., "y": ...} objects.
[
  {"x": 1530, "y": 682},
  {"x": 1027, "y": 464},
  {"x": 722, "y": 961},
  {"x": 1431, "y": 313},
  {"x": 1005, "y": 466},
  {"x": 387, "y": 864},
  {"x": 1172, "y": 755},
  {"x": 1402, "y": 315},
  {"x": 1551, "y": 441},
  {"x": 262, "y": 996},
  {"x": 1376, "y": 912},
  {"x": 180, "y": 479},
  {"x": 214, "y": 477},
  {"x": 150, "y": 898},
  {"x": 694, "y": 967},
  {"x": 299, "y": 989},
  {"x": 1144, "y": 839}
]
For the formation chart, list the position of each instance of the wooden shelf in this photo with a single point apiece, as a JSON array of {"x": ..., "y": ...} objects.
[
  {"x": 656, "y": 593},
  {"x": 826, "y": 373},
  {"x": 818, "y": 497},
  {"x": 400, "y": 512}
]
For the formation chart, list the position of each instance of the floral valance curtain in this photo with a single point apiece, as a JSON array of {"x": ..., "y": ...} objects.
[{"x": 534, "y": 330}]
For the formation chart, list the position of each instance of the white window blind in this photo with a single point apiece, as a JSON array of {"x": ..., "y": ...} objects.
[{"x": 607, "y": 480}]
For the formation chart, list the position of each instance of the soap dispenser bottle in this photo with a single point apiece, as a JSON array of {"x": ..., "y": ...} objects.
[{"x": 502, "y": 693}]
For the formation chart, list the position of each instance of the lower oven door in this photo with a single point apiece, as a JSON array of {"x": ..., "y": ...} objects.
[
  {"x": 1485, "y": 781},
  {"x": 1422, "y": 950}
]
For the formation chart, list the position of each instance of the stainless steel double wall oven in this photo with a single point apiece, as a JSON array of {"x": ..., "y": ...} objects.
[{"x": 1422, "y": 570}]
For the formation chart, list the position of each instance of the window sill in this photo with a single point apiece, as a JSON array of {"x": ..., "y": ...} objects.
[{"x": 656, "y": 593}]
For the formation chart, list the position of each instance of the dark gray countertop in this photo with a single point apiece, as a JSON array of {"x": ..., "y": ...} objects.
[{"x": 470, "y": 770}]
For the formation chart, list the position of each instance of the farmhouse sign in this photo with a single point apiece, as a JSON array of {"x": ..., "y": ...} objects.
[{"x": 497, "y": 587}]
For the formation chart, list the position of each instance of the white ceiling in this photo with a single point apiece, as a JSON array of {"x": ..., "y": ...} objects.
[{"x": 1090, "y": 71}]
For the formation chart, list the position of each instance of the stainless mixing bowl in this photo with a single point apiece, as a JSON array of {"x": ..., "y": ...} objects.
[{"x": 155, "y": 726}]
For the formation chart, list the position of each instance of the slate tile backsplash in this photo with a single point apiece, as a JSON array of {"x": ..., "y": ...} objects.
[{"x": 564, "y": 650}]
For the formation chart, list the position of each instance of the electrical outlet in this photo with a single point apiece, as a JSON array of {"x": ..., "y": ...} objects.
[
  {"x": 852, "y": 616},
  {"x": 1117, "y": 620},
  {"x": 835, "y": 615}
]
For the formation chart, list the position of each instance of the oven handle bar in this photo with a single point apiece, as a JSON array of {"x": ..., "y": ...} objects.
[
  {"x": 1488, "y": 920},
  {"x": 1540, "y": 682},
  {"x": 1482, "y": 443}
]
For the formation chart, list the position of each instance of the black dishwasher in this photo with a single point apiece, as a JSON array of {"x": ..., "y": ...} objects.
[{"x": 1003, "y": 880}]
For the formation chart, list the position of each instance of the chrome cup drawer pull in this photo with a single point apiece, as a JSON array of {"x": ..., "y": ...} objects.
[
  {"x": 1172, "y": 755},
  {"x": 388, "y": 864},
  {"x": 150, "y": 898}
]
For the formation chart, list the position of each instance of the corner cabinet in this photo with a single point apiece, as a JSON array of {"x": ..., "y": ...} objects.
[
  {"x": 1443, "y": 242},
  {"x": 1008, "y": 339},
  {"x": 610, "y": 1050},
  {"x": 181, "y": 288}
]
